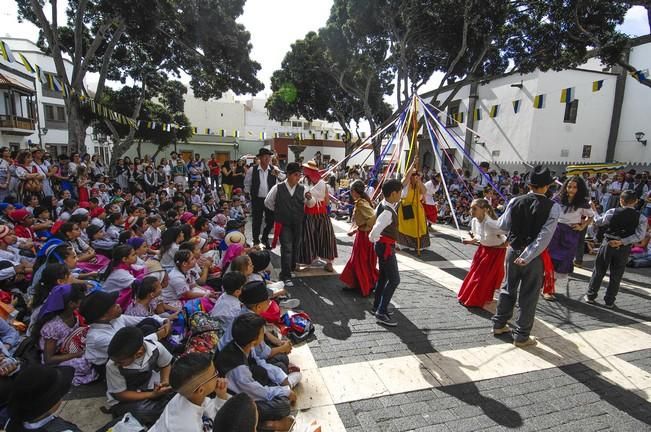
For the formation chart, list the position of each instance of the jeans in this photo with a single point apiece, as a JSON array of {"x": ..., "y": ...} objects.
[
  {"x": 290, "y": 237},
  {"x": 613, "y": 259},
  {"x": 528, "y": 280},
  {"x": 258, "y": 209},
  {"x": 389, "y": 277}
]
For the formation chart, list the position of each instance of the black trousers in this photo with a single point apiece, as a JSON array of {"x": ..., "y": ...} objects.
[
  {"x": 290, "y": 237},
  {"x": 580, "y": 247},
  {"x": 259, "y": 210},
  {"x": 389, "y": 277},
  {"x": 146, "y": 411},
  {"x": 613, "y": 259}
]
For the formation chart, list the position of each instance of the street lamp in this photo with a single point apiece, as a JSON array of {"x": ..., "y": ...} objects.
[{"x": 639, "y": 136}]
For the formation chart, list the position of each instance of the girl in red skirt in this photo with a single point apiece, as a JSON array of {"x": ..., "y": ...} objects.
[
  {"x": 487, "y": 268},
  {"x": 360, "y": 271}
]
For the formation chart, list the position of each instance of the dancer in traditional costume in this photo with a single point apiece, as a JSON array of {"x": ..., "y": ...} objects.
[
  {"x": 318, "y": 240},
  {"x": 487, "y": 268},
  {"x": 361, "y": 269},
  {"x": 575, "y": 216},
  {"x": 432, "y": 187},
  {"x": 411, "y": 213}
]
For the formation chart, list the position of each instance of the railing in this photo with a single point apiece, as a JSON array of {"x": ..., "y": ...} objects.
[{"x": 15, "y": 122}]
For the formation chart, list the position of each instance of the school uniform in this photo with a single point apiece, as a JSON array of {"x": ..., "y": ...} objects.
[
  {"x": 627, "y": 225},
  {"x": 181, "y": 415},
  {"x": 100, "y": 335},
  {"x": 141, "y": 375},
  {"x": 275, "y": 368},
  {"x": 226, "y": 309},
  {"x": 272, "y": 401},
  {"x": 152, "y": 236}
]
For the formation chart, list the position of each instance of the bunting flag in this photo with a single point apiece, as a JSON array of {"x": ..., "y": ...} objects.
[
  {"x": 194, "y": 130},
  {"x": 26, "y": 63},
  {"x": 477, "y": 114},
  {"x": 325, "y": 134},
  {"x": 299, "y": 136},
  {"x": 567, "y": 95},
  {"x": 263, "y": 136},
  {"x": 222, "y": 132},
  {"x": 40, "y": 74},
  {"x": 207, "y": 131},
  {"x": 53, "y": 83},
  {"x": 596, "y": 85},
  {"x": 539, "y": 102},
  {"x": 236, "y": 134},
  {"x": 338, "y": 136},
  {"x": 6, "y": 53},
  {"x": 494, "y": 110},
  {"x": 458, "y": 117},
  {"x": 516, "y": 106},
  {"x": 639, "y": 75}
]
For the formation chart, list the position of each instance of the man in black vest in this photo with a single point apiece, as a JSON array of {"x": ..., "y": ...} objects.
[
  {"x": 624, "y": 226},
  {"x": 530, "y": 220},
  {"x": 258, "y": 182},
  {"x": 288, "y": 200}
]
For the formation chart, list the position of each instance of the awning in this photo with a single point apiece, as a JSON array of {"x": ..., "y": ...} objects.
[{"x": 8, "y": 82}]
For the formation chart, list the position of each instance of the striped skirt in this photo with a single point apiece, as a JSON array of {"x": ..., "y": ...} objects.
[{"x": 318, "y": 239}]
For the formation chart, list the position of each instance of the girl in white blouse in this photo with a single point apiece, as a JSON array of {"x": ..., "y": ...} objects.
[{"x": 487, "y": 268}]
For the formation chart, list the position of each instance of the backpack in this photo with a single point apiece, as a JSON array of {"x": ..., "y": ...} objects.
[
  {"x": 297, "y": 326},
  {"x": 205, "y": 332}
]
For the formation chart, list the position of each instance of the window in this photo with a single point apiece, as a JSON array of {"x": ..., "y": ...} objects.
[
  {"x": 55, "y": 113},
  {"x": 297, "y": 124},
  {"x": 570, "y": 111},
  {"x": 495, "y": 153},
  {"x": 565, "y": 153},
  {"x": 587, "y": 151}
]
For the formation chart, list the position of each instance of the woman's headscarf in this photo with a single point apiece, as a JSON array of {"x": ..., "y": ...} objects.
[{"x": 231, "y": 253}]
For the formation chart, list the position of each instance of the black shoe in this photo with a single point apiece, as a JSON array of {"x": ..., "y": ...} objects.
[
  {"x": 385, "y": 320},
  {"x": 589, "y": 300},
  {"x": 390, "y": 311},
  {"x": 609, "y": 306}
]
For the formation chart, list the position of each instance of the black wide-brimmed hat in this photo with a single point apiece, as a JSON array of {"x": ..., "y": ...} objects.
[
  {"x": 264, "y": 151},
  {"x": 37, "y": 389},
  {"x": 540, "y": 176}
]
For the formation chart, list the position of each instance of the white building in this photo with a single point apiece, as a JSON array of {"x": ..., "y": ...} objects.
[
  {"x": 50, "y": 117},
  {"x": 554, "y": 133}
]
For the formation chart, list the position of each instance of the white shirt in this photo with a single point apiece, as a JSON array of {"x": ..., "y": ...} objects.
[
  {"x": 383, "y": 221},
  {"x": 572, "y": 217},
  {"x": 270, "y": 200},
  {"x": 100, "y": 335},
  {"x": 318, "y": 191},
  {"x": 181, "y": 415},
  {"x": 176, "y": 287},
  {"x": 152, "y": 235},
  {"x": 118, "y": 280},
  {"x": 115, "y": 381},
  {"x": 487, "y": 232},
  {"x": 430, "y": 190}
]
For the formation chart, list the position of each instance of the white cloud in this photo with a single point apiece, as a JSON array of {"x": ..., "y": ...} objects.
[{"x": 636, "y": 22}]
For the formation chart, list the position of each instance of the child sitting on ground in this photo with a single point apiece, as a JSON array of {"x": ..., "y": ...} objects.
[
  {"x": 274, "y": 361},
  {"x": 233, "y": 361},
  {"x": 105, "y": 318},
  {"x": 146, "y": 300},
  {"x": 37, "y": 395},
  {"x": 228, "y": 306},
  {"x": 238, "y": 414},
  {"x": 137, "y": 375},
  {"x": 192, "y": 409}
]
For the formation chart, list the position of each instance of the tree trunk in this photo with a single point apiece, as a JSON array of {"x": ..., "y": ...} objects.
[{"x": 76, "y": 127}]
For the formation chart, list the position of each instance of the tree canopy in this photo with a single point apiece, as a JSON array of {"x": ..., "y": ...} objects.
[
  {"x": 369, "y": 48},
  {"x": 145, "y": 42}
]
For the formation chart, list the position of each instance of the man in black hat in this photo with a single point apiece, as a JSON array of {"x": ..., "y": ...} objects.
[
  {"x": 258, "y": 182},
  {"x": 530, "y": 221},
  {"x": 288, "y": 200}
]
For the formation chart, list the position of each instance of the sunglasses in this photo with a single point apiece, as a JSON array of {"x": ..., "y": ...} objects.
[{"x": 212, "y": 377}]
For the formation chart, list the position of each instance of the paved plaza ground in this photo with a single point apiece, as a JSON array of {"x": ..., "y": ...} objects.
[{"x": 441, "y": 369}]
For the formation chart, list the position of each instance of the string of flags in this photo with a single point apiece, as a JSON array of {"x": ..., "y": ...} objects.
[{"x": 539, "y": 101}]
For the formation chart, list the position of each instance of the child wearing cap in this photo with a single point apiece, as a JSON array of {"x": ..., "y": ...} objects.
[
  {"x": 194, "y": 378},
  {"x": 138, "y": 375},
  {"x": 36, "y": 397},
  {"x": 105, "y": 318},
  {"x": 233, "y": 361}
]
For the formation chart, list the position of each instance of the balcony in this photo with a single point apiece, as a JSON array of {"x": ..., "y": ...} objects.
[{"x": 14, "y": 125}]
